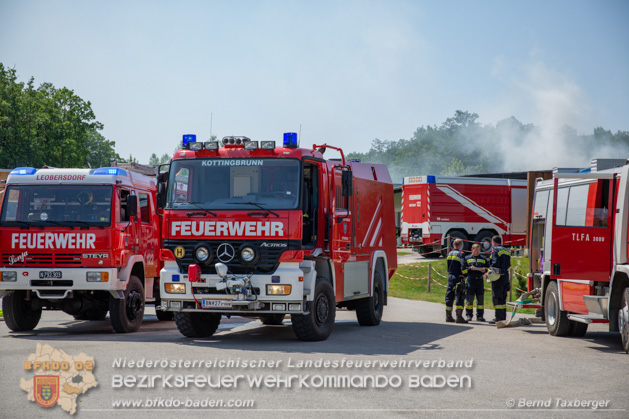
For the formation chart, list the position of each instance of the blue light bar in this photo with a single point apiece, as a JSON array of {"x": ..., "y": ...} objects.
[
  {"x": 189, "y": 138},
  {"x": 430, "y": 179},
  {"x": 23, "y": 171},
  {"x": 290, "y": 139},
  {"x": 110, "y": 171}
]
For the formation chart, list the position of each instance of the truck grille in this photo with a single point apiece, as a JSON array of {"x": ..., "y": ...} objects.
[
  {"x": 267, "y": 263},
  {"x": 46, "y": 259},
  {"x": 52, "y": 283}
]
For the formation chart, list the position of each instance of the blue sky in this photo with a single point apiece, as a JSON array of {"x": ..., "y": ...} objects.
[{"x": 346, "y": 71}]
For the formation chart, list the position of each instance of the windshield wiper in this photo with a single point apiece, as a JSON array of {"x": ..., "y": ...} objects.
[
  {"x": 57, "y": 223},
  {"x": 255, "y": 204},
  {"x": 24, "y": 223},
  {"x": 208, "y": 212}
]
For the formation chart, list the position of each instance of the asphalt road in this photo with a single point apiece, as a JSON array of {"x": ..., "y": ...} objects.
[{"x": 507, "y": 366}]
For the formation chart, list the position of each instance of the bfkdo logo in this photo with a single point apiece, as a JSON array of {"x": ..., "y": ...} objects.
[
  {"x": 59, "y": 377},
  {"x": 46, "y": 389}
]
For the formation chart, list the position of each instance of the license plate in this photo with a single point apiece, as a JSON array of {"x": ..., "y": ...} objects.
[
  {"x": 215, "y": 304},
  {"x": 50, "y": 274}
]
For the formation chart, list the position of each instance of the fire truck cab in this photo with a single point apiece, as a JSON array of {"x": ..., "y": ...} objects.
[
  {"x": 251, "y": 229},
  {"x": 578, "y": 250},
  {"x": 85, "y": 241}
]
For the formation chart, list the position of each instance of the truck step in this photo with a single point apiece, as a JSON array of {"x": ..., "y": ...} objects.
[
  {"x": 596, "y": 303},
  {"x": 587, "y": 318}
]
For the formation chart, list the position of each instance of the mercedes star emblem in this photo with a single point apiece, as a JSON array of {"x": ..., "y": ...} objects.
[{"x": 225, "y": 252}]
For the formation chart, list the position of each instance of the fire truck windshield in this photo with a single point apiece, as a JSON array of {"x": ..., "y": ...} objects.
[
  {"x": 234, "y": 184},
  {"x": 54, "y": 205}
]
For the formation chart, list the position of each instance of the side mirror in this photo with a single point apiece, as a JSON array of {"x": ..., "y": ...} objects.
[
  {"x": 132, "y": 206},
  {"x": 221, "y": 270},
  {"x": 346, "y": 182},
  {"x": 161, "y": 195},
  {"x": 163, "y": 177}
]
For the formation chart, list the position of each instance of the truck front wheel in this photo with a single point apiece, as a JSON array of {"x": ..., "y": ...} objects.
[
  {"x": 127, "y": 314},
  {"x": 317, "y": 324},
  {"x": 623, "y": 320},
  {"x": 369, "y": 310},
  {"x": 557, "y": 321},
  {"x": 19, "y": 314},
  {"x": 197, "y": 325}
]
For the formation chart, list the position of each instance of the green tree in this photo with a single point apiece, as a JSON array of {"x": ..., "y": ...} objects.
[
  {"x": 153, "y": 160},
  {"x": 100, "y": 150}
]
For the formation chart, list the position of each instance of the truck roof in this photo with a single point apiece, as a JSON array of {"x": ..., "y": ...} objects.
[
  {"x": 463, "y": 180},
  {"x": 103, "y": 175}
]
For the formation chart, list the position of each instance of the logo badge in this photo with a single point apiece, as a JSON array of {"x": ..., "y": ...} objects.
[
  {"x": 179, "y": 252},
  {"x": 225, "y": 252},
  {"x": 46, "y": 389}
]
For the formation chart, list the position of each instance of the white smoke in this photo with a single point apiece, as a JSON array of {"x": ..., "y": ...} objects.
[{"x": 555, "y": 104}]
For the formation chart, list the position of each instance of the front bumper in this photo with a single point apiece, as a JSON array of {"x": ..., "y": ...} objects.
[
  {"x": 72, "y": 279},
  {"x": 209, "y": 300}
]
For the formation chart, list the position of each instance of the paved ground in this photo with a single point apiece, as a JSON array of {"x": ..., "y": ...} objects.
[{"x": 518, "y": 365}]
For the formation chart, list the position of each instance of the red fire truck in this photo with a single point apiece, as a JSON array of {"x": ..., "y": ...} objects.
[
  {"x": 468, "y": 208},
  {"x": 578, "y": 251},
  {"x": 252, "y": 229},
  {"x": 85, "y": 241}
]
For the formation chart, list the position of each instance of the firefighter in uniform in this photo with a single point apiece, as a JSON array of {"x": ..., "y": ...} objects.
[
  {"x": 500, "y": 261},
  {"x": 456, "y": 283},
  {"x": 476, "y": 266}
]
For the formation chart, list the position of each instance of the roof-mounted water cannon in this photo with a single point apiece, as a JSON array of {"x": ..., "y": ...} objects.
[
  {"x": 321, "y": 149},
  {"x": 290, "y": 140}
]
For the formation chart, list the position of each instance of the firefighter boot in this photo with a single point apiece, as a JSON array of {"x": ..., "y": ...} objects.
[
  {"x": 459, "y": 317},
  {"x": 449, "y": 318}
]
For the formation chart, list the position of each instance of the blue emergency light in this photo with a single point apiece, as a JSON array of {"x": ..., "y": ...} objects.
[
  {"x": 23, "y": 171},
  {"x": 112, "y": 171},
  {"x": 290, "y": 139},
  {"x": 188, "y": 138}
]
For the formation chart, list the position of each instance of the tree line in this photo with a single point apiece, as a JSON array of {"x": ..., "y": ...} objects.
[
  {"x": 463, "y": 146},
  {"x": 48, "y": 126}
]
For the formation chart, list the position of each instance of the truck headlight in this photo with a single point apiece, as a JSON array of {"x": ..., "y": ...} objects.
[
  {"x": 273, "y": 289},
  {"x": 203, "y": 253},
  {"x": 248, "y": 254},
  {"x": 97, "y": 276},
  {"x": 175, "y": 288},
  {"x": 10, "y": 276}
]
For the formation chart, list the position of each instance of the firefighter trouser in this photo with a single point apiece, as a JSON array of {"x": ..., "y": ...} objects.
[
  {"x": 499, "y": 290},
  {"x": 456, "y": 290},
  {"x": 475, "y": 289}
]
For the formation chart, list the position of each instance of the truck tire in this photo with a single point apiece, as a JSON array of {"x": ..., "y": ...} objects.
[
  {"x": 369, "y": 310},
  {"x": 197, "y": 325},
  {"x": 92, "y": 314},
  {"x": 127, "y": 314},
  {"x": 317, "y": 325},
  {"x": 623, "y": 320},
  {"x": 484, "y": 238},
  {"x": 456, "y": 234},
  {"x": 164, "y": 316},
  {"x": 272, "y": 319},
  {"x": 557, "y": 321},
  {"x": 18, "y": 313},
  {"x": 578, "y": 329}
]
